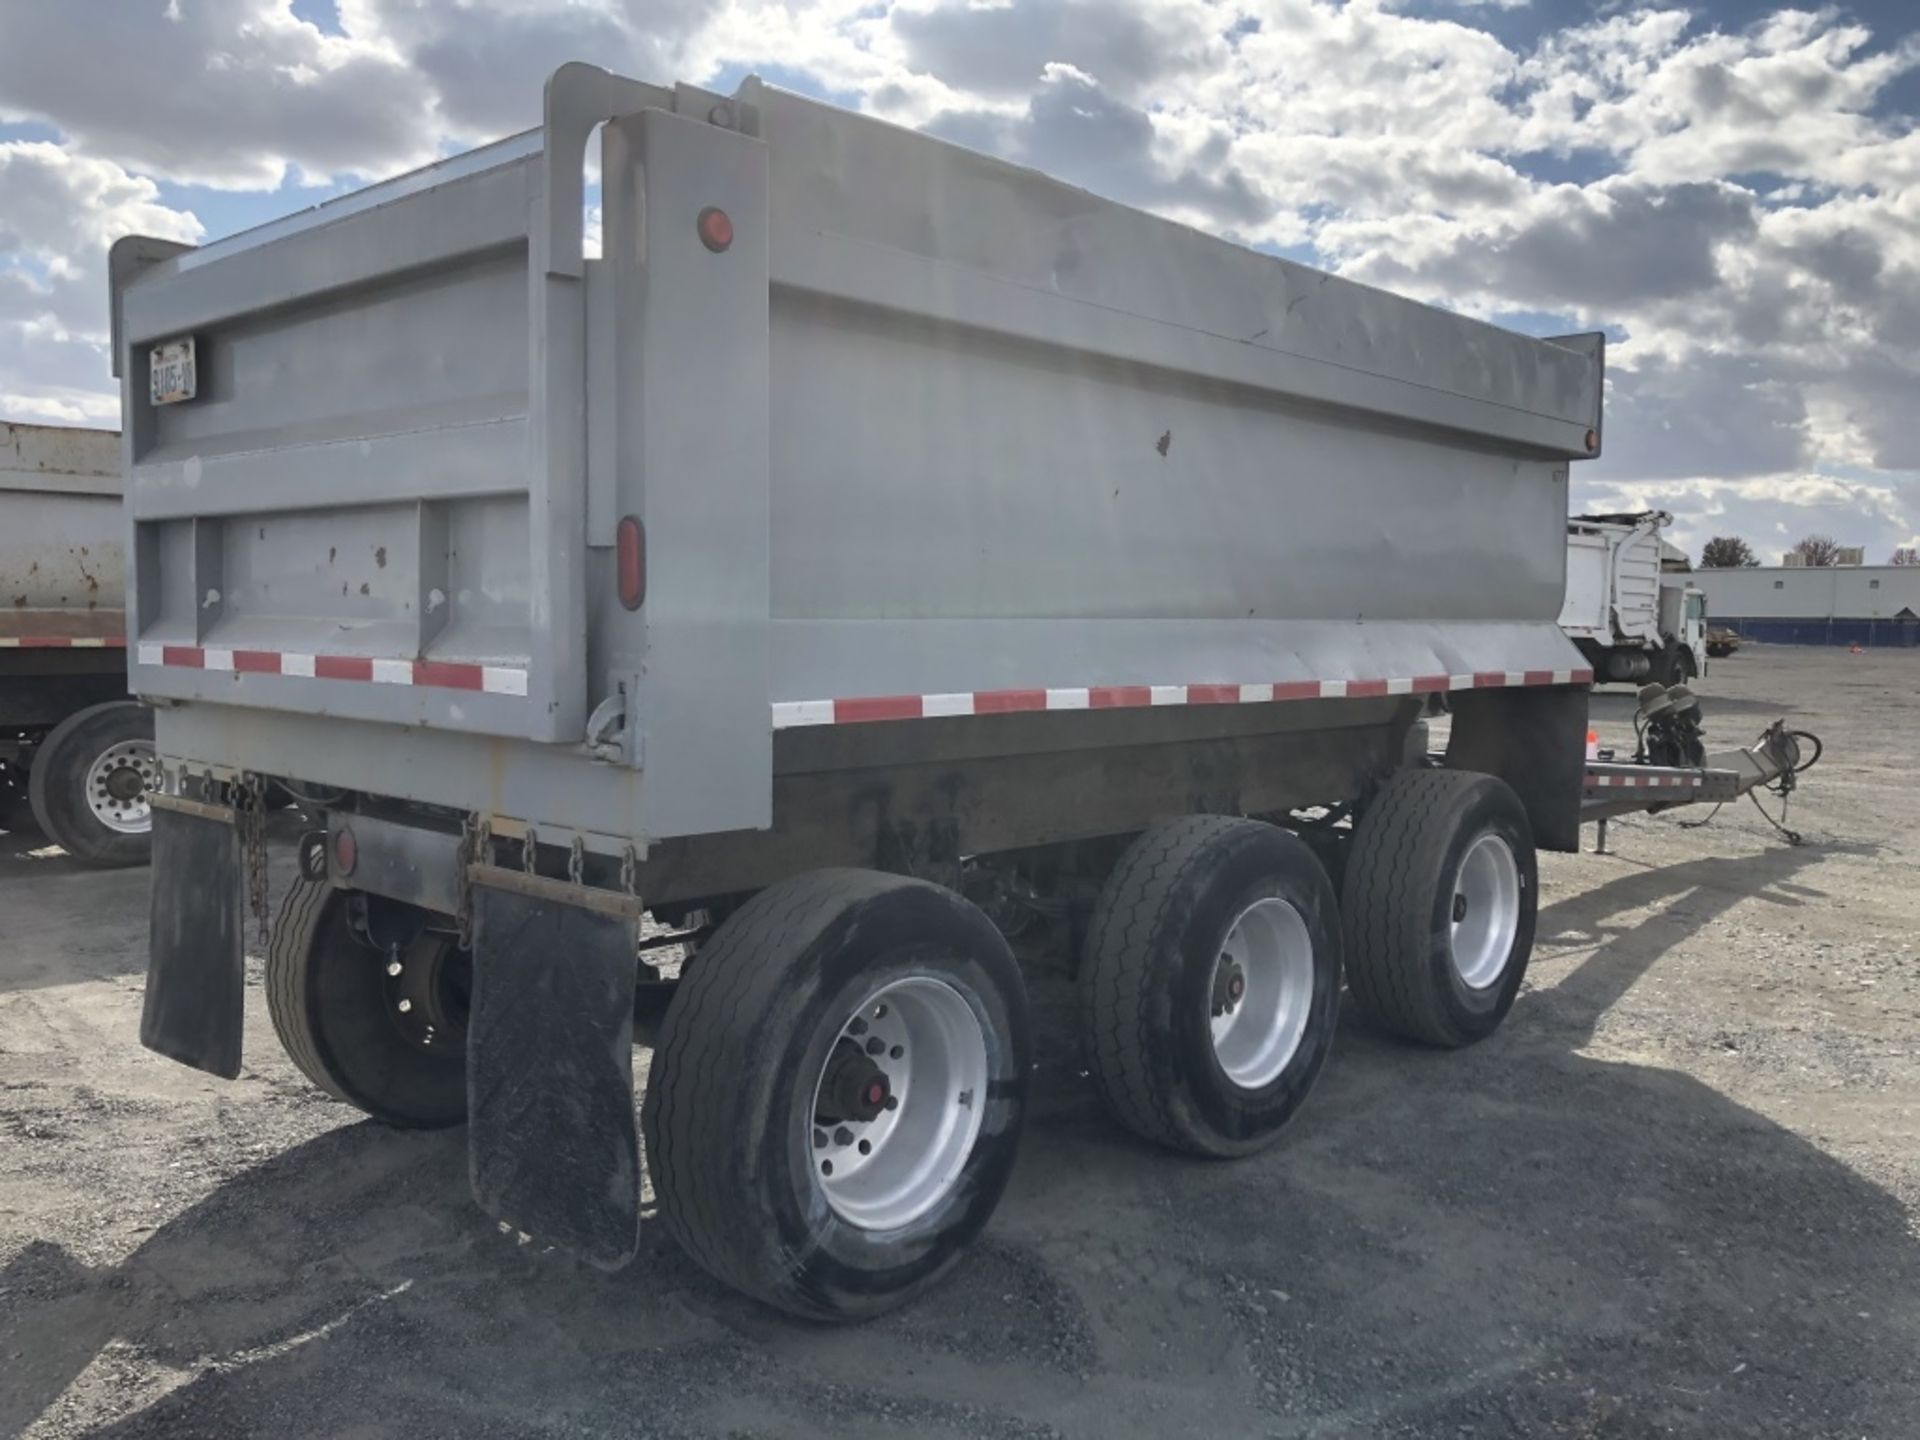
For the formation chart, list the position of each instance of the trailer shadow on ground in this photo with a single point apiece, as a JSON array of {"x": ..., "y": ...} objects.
[{"x": 1517, "y": 1239}]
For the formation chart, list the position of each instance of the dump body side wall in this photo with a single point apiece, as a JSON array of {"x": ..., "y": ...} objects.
[
  {"x": 950, "y": 428},
  {"x": 60, "y": 519}
]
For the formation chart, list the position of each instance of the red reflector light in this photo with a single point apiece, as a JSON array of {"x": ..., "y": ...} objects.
[
  {"x": 346, "y": 851},
  {"x": 630, "y": 561},
  {"x": 716, "y": 230}
]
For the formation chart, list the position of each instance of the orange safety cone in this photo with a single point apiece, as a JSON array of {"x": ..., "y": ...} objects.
[
  {"x": 1856, "y": 649},
  {"x": 1593, "y": 744}
]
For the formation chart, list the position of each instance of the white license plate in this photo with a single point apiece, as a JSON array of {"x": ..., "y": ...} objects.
[{"x": 172, "y": 377}]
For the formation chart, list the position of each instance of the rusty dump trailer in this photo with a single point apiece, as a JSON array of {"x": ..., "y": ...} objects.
[
  {"x": 879, "y": 556},
  {"x": 75, "y": 752}
]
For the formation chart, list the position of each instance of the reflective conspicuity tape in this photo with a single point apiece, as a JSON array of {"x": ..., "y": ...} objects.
[
  {"x": 853, "y": 710},
  {"x": 430, "y": 674},
  {"x": 1642, "y": 782},
  {"x": 63, "y": 642}
]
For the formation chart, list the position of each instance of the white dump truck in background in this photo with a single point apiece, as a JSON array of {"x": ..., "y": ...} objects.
[
  {"x": 883, "y": 557},
  {"x": 75, "y": 752},
  {"x": 1632, "y": 619}
]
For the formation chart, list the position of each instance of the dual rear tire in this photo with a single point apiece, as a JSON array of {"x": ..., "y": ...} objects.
[
  {"x": 1211, "y": 979},
  {"x": 1439, "y": 905},
  {"x": 838, "y": 1092},
  {"x": 1210, "y": 988}
]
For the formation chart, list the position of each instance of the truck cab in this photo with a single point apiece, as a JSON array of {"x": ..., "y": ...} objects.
[{"x": 1683, "y": 623}]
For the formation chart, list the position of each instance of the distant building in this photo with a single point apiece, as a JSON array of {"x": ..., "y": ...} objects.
[{"x": 1816, "y": 605}]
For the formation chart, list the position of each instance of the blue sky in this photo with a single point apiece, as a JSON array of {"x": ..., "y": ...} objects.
[{"x": 1730, "y": 189}]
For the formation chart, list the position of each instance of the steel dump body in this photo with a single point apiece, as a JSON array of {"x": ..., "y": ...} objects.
[
  {"x": 60, "y": 536},
  {"x": 934, "y": 438}
]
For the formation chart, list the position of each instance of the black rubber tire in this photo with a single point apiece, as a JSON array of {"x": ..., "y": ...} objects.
[
  {"x": 327, "y": 999},
  {"x": 726, "y": 1115},
  {"x": 1146, "y": 981},
  {"x": 56, "y": 784},
  {"x": 1398, "y": 902}
]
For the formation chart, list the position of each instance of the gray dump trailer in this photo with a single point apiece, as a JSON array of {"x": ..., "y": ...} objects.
[
  {"x": 75, "y": 752},
  {"x": 878, "y": 559}
]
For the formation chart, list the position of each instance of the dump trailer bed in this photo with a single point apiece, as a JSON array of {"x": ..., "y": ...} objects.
[
  {"x": 867, "y": 502},
  {"x": 64, "y": 710}
]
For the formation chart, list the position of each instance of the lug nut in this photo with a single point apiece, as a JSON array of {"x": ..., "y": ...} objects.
[
  {"x": 856, "y": 1026},
  {"x": 893, "y": 1102},
  {"x": 843, "y": 1136},
  {"x": 896, "y": 1052},
  {"x": 866, "y": 1147},
  {"x": 819, "y": 1139},
  {"x": 875, "y": 1045},
  {"x": 405, "y": 1006},
  {"x": 393, "y": 967}
]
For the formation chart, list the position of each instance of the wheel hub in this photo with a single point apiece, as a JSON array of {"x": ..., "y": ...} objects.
[
  {"x": 1486, "y": 911},
  {"x": 116, "y": 786},
  {"x": 897, "y": 1104},
  {"x": 1229, "y": 986},
  {"x": 1262, "y": 992},
  {"x": 427, "y": 991},
  {"x": 852, "y": 1087}
]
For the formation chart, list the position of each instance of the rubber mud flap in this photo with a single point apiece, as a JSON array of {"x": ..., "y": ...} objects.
[
  {"x": 196, "y": 969},
  {"x": 552, "y": 1145}
]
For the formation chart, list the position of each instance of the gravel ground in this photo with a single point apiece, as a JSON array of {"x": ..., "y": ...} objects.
[{"x": 1676, "y": 1195}]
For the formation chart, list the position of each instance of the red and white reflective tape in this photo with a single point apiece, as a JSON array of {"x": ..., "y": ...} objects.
[
  {"x": 63, "y": 642},
  {"x": 1642, "y": 782},
  {"x": 789, "y": 714},
  {"x": 434, "y": 674}
]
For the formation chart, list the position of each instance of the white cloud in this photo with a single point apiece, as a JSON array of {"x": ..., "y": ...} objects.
[
  {"x": 1770, "y": 512},
  {"x": 232, "y": 93},
  {"x": 59, "y": 211},
  {"x": 1736, "y": 203}
]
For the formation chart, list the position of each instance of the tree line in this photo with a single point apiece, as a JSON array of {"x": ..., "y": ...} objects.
[{"x": 1730, "y": 552}]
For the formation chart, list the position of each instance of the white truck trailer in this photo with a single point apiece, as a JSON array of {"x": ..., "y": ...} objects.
[
  {"x": 75, "y": 752},
  {"x": 1631, "y": 620},
  {"x": 881, "y": 552}
]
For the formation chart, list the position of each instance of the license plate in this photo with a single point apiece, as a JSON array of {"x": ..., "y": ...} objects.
[{"x": 172, "y": 376}]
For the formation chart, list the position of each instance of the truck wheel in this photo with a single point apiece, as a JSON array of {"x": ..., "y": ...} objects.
[
  {"x": 1439, "y": 905},
  {"x": 1210, "y": 986},
  {"x": 391, "y": 1044},
  {"x": 837, "y": 1093},
  {"x": 88, "y": 785}
]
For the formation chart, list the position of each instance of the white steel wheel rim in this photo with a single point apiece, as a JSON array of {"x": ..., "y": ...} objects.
[
  {"x": 117, "y": 783},
  {"x": 1486, "y": 911},
  {"x": 1262, "y": 992},
  {"x": 887, "y": 1169}
]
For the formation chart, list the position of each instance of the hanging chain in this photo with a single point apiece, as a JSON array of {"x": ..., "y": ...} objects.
[
  {"x": 529, "y": 847},
  {"x": 250, "y": 816},
  {"x": 476, "y": 848},
  {"x": 629, "y": 872},
  {"x": 577, "y": 861}
]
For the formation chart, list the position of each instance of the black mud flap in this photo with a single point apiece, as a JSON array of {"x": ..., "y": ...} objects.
[
  {"x": 552, "y": 1145},
  {"x": 196, "y": 971}
]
